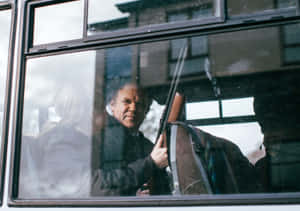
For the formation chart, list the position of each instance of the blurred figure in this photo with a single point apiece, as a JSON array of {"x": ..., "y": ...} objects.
[{"x": 56, "y": 163}]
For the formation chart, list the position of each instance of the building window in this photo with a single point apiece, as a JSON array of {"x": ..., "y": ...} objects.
[
  {"x": 291, "y": 43},
  {"x": 121, "y": 15},
  {"x": 197, "y": 55}
]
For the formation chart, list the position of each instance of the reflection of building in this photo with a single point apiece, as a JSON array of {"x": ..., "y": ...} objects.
[
  {"x": 254, "y": 62},
  {"x": 226, "y": 54}
]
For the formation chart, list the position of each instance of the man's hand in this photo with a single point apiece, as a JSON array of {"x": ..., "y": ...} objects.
[
  {"x": 143, "y": 191},
  {"x": 159, "y": 153}
]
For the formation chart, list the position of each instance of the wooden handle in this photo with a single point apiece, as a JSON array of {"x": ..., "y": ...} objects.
[{"x": 176, "y": 108}]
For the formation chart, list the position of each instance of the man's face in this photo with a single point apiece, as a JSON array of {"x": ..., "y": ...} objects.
[{"x": 129, "y": 107}]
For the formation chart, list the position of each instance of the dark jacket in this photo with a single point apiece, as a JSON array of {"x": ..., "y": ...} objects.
[{"x": 125, "y": 162}]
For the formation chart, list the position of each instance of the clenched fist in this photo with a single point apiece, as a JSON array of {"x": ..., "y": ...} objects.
[{"x": 159, "y": 154}]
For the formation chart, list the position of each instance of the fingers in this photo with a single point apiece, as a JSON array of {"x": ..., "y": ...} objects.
[
  {"x": 160, "y": 157},
  {"x": 143, "y": 191},
  {"x": 159, "y": 142}
]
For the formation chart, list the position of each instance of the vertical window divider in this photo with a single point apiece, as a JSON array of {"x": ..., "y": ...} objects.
[
  {"x": 11, "y": 4},
  {"x": 220, "y": 108},
  {"x": 17, "y": 111},
  {"x": 85, "y": 19}
]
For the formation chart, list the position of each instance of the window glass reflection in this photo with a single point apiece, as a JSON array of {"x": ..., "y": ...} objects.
[
  {"x": 5, "y": 22},
  {"x": 176, "y": 47},
  {"x": 121, "y": 14},
  {"x": 67, "y": 24},
  {"x": 239, "y": 118},
  {"x": 237, "y": 133},
  {"x": 291, "y": 55},
  {"x": 204, "y": 11},
  {"x": 57, "y": 127},
  {"x": 196, "y": 57},
  {"x": 202, "y": 110},
  {"x": 292, "y": 34},
  {"x": 251, "y": 7},
  {"x": 199, "y": 46},
  {"x": 291, "y": 43},
  {"x": 286, "y": 3},
  {"x": 238, "y": 107},
  {"x": 177, "y": 17}
]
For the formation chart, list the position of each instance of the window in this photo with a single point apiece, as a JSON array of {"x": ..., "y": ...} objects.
[
  {"x": 196, "y": 58},
  {"x": 291, "y": 43},
  {"x": 252, "y": 7},
  {"x": 88, "y": 107},
  {"x": 44, "y": 25},
  {"x": 52, "y": 103}
]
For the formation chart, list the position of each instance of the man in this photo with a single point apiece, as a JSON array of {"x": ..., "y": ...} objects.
[{"x": 127, "y": 159}]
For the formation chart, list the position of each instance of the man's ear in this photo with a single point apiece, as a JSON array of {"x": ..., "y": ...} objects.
[{"x": 112, "y": 105}]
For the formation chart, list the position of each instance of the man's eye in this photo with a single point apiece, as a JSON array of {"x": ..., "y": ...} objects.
[{"x": 126, "y": 101}]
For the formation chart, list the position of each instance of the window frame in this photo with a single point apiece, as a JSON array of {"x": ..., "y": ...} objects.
[
  {"x": 7, "y": 5},
  {"x": 29, "y": 31},
  {"x": 122, "y": 39}
]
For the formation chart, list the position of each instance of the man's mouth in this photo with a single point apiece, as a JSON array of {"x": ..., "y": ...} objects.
[{"x": 129, "y": 117}]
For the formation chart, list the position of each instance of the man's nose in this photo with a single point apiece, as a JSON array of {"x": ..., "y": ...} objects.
[{"x": 132, "y": 106}]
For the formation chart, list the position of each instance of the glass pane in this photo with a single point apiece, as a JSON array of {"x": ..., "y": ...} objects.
[
  {"x": 191, "y": 66},
  {"x": 205, "y": 11},
  {"x": 292, "y": 54},
  {"x": 254, "y": 6},
  {"x": 291, "y": 42},
  {"x": 237, "y": 133},
  {"x": 238, "y": 107},
  {"x": 202, "y": 110},
  {"x": 177, "y": 17},
  {"x": 199, "y": 45},
  {"x": 57, "y": 127},
  {"x": 285, "y": 162},
  {"x": 286, "y": 3},
  {"x": 66, "y": 24},
  {"x": 91, "y": 118},
  {"x": 292, "y": 34},
  {"x": 112, "y": 15},
  {"x": 5, "y": 22},
  {"x": 176, "y": 46},
  {"x": 122, "y": 67}
]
